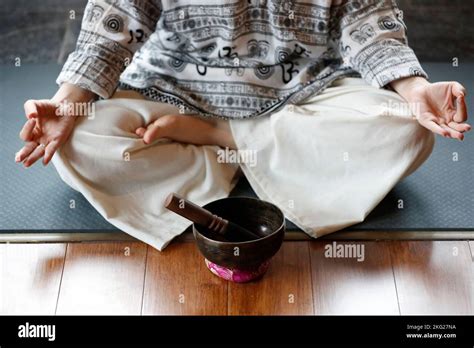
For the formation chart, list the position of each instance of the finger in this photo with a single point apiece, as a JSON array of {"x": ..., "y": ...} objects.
[
  {"x": 26, "y": 132},
  {"x": 434, "y": 127},
  {"x": 140, "y": 131},
  {"x": 461, "y": 110},
  {"x": 460, "y": 127},
  {"x": 31, "y": 110},
  {"x": 453, "y": 133},
  {"x": 458, "y": 90},
  {"x": 25, "y": 151},
  {"x": 37, "y": 153},
  {"x": 50, "y": 150},
  {"x": 36, "y": 108}
]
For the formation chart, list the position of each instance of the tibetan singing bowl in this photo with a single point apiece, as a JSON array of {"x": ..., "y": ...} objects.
[{"x": 260, "y": 217}]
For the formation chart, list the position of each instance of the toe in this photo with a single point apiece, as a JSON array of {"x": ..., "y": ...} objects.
[
  {"x": 140, "y": 131},
  {"x": 164, "y": 127}
]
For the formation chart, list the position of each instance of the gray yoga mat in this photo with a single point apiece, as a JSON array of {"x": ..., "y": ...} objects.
[{"x": 438, "y": 197}]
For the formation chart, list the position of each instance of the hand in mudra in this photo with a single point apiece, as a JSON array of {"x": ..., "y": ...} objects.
[
  {"x": 441, "y": 107},
  {"x": 47, "y": 126},
  {"x": 44, "y": 131}
]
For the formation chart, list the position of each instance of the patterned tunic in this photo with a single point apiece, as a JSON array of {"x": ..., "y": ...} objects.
[{"x": 236, "y": 59}]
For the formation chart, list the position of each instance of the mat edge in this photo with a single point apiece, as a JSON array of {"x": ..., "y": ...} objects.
[{"x": 293, "y": 236}]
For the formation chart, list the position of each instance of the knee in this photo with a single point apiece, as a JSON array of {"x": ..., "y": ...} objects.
[
  {"x": 109, "y": 119},
  {"x": 111, "y": 126}
]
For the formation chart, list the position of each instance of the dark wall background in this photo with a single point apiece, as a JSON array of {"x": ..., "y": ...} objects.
[{"x": 41, "y": 31}]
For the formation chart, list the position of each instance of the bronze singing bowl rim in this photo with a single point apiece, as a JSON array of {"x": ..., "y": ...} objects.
[{"x": 218, "y": 242}]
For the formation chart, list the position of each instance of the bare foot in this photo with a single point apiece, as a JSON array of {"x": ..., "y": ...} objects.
[{"x": 188, "y": 129}]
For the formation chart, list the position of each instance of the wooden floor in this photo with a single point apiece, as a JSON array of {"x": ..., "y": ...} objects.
[{"x": 416, "y": 277}]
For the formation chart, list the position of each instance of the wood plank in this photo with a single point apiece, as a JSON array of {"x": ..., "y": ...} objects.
[
  {"x": 30, "y": 275},
  {"x": 433, "y": 277},
  {"x": 103, "y": 278},
  {"x": 344, "y": 285},
  {"x": 284, "y": 290},
  {"x": 178, "y": 282}
]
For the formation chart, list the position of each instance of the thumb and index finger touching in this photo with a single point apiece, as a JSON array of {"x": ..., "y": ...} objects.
[
  {"x": 459, "y": 93},
  {"x": 34, "y": 111}
]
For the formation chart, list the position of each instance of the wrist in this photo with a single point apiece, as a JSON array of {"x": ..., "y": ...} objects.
[
  {"x": 72, "y": 100},
  {"x": 410, "y": 86},
  {"x": 68, "y": 92}
]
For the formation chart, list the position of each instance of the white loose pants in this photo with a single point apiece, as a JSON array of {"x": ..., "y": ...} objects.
[{"x": 326, "y": 162}]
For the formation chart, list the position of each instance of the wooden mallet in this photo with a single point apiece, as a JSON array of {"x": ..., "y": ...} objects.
[{"x": 229, "y": 230}]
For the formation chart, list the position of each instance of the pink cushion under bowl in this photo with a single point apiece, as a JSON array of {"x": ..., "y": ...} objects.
[{"x": 237, "y": 275}]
